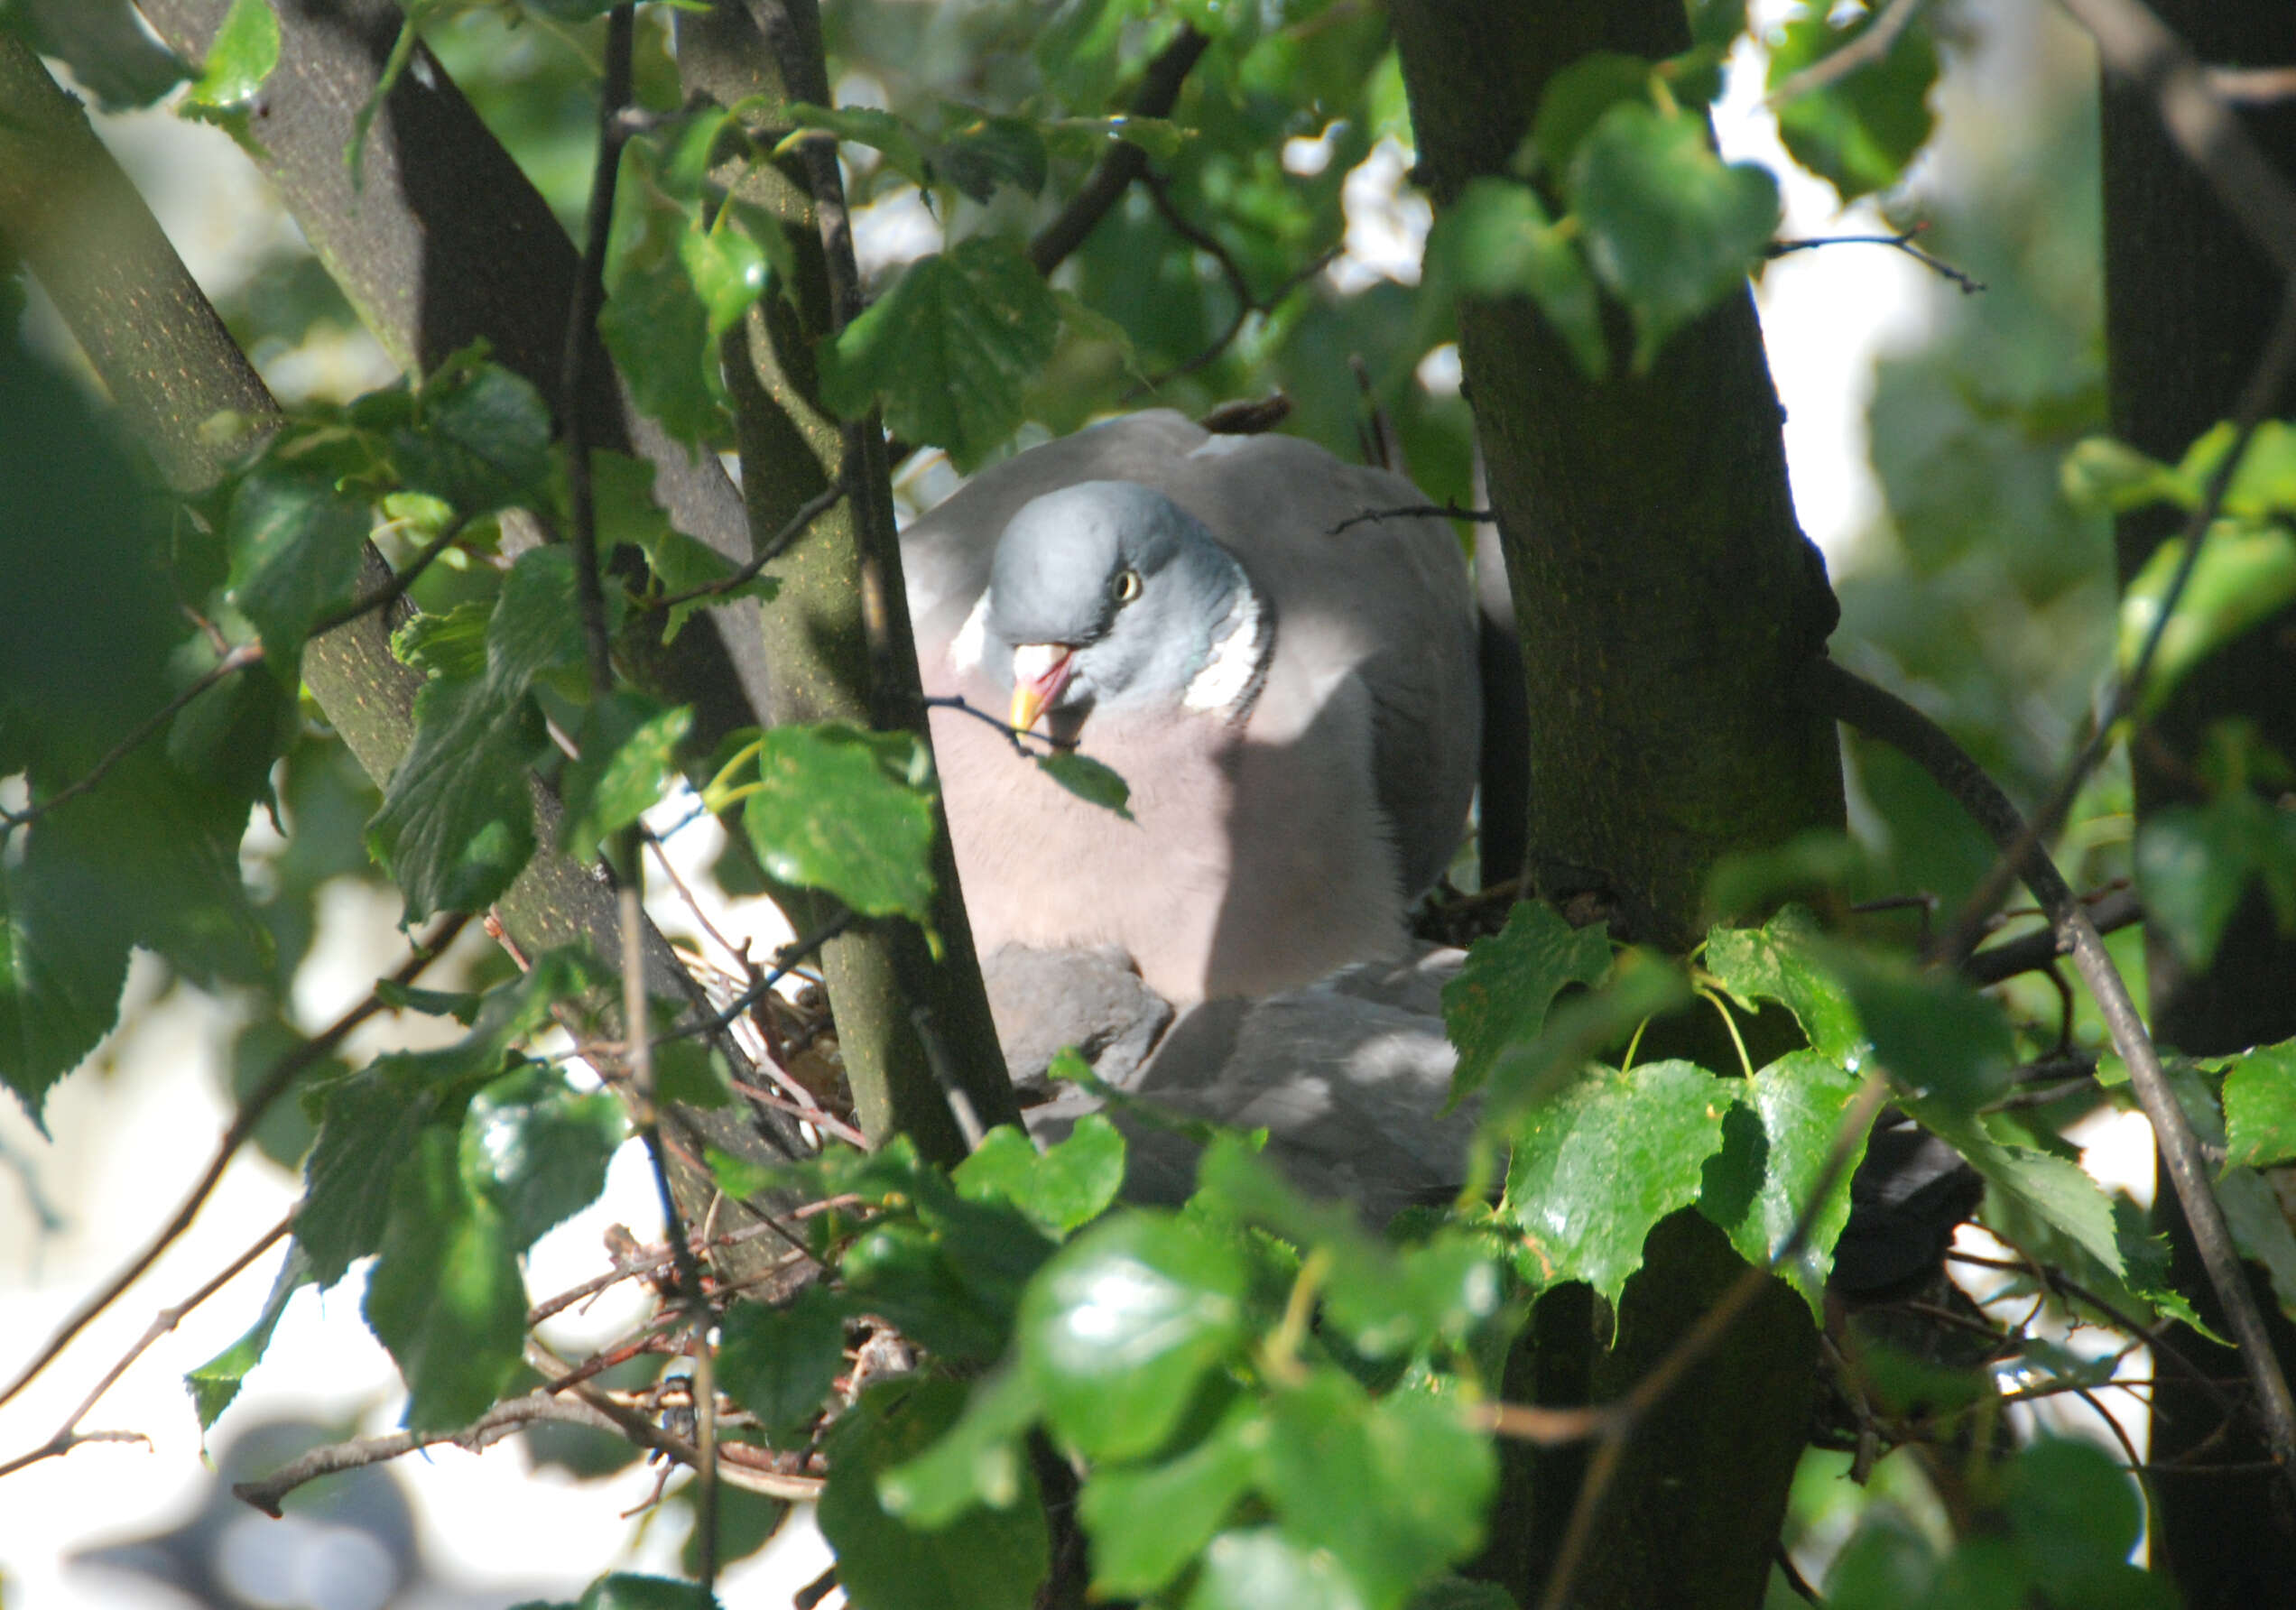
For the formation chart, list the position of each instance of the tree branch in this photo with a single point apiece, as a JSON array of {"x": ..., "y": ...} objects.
[
  {"x": 1884, "y": 715},
  {"x": 1158, "y": 94},
  {"x": 251, "y": 1111}
]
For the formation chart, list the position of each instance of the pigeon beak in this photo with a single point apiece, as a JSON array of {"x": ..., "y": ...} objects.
[{"x": 1040, "y": 671}]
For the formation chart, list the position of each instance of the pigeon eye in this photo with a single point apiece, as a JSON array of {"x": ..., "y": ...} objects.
[{"x": 1126, "y": 587}]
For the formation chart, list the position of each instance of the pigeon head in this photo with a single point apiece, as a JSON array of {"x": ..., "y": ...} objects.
[{"x": 1107, "y": 595}]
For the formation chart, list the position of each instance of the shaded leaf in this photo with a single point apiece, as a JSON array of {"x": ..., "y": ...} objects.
[
  {"x": 1394, "y": 1487},
  {"x": 1087, "y": 779},
  {"x": 1861, "y": 130},
  {"x": 980, "y": 1461},
  {"x": 778, "y": 1363},
  {"x": 1574, "y": 101},
  {"x": 628, "y": 761},
  {"x": 479, "y": 439},
  {"x": 1501, "y": 995},
  {"x": 2194, "y": 864},
  {"x": 1669, "y": 229},
  {"x": 445, "y": 1295},
  {"x": 653, "y": 322},
  {"x": 949, "y": 350},
  {"x": 1147, "y": 1522},
  {"x": 539, "y": 1150},
  {"x": 1496, "y": 240},
  {"x": 111, "y": 54},
  {"x": 294, "y": 542},
  {"x": 988, "y": 1560}
]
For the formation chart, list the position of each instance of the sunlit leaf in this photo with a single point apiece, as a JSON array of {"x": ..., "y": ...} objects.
[
  {"x": 1776, "y": 1144},
  {"x": 1496, "y": 240},
  {"x": 1147, "y": 1522},
  {"x": 2244, "y": 577},
  {"x": 1501, "y": 995},
  {"x": 2260, "y": 1106},
  {"x": 1860, "y": 130},
  {"x": 1061, "y": 1189},
  {"x": 216, "y": 1384},
  {"x": 629, "y": 748},
  {"x": 845, "y": 810}
]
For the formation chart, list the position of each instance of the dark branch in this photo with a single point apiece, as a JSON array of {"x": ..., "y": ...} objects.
[
  {"x": 1442, "y": 511},
  {"x": 1158, "y": 94},
  {"x": 397, "y": 587},
  {"x": 1904, "y": 241},
  {"x": 812, "y": 509}
]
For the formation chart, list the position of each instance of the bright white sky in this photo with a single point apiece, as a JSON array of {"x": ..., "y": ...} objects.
[{"x": 128, "y": 1138}]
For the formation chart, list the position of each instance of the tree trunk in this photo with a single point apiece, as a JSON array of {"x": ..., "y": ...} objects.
[
  {"x": 2187, "y": 299},
  {"x": 1666, "y": 599}
]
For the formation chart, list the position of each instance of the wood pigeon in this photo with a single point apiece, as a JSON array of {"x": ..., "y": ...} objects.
[{"x": 1296, "y": 710}]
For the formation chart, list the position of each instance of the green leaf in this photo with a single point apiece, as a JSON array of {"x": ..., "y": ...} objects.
[
  {"x": 1501, "y": 995},
  {"x": 1121, "y": 1324},
  {"x": 900, "y": 1271},
  {"x": 979, "y": 1462},
  {"x": 1936, "y": 1037},
  {"x": 462, "y": 1005},
  {"x": 846, "y": 811},
  {"x": 881, "y": 131},
  {"x": 1641, "y": 985},
  {"x": 294, "y": 542},
  {"x": 653, "y": 322},
  {"x": 445, "y": 1295},
  {"x": 2260, "y": 1106},
  {"x": 63, "y": 962},
  {"x": 1496, "y": 240},
  {"x": 1087, "y": 779},
  {"x": 1393, "y": 1487},
  {"x": 948, "y": 351},
  {"x": 2264, "y": 484},
  {"x": 240, "y": 57},
  {"x": 1260, "y": 1567},
  {"x": 1669, "y": 229},
  {"x": 688, "y": 1073},
  {"x": 979, "y": 156},
  {"x": 231, "y": 736},
  {"x": 1146, "y": 1523},
  {"x": 1775, "y": 1145},
  {"x": 1574, "y": 101},
  {"x": 1063, "y": 1189},
  {"x": 216, "y": 1384},
  {"x": 2244, "y": 577},
  {"x": 479, "y": 439},
  {"x": 539, "y": 1150},
  {"x": 987, "y": 1560},
  {"x": 624, "y": 1590},
  {"x": 779, "y": 1363},
  {"x": 1783, "y": 961},
  {"x": 2101, "y": 475},
  {"x": 629, "y": 759},
  {"x": 2194, "y": 863},
  {"x": 728, "y": 270},
  {"x": 2027, "y": 1187},
  {"x": 457, "y": 821},
  {"x": 452, "y": 644},
  {"x": 1595, "y": 1168},
  {"x": 1860, "y": 131}
]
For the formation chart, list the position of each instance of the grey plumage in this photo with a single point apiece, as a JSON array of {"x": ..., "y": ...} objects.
[{"x": 1286, "y": 819}]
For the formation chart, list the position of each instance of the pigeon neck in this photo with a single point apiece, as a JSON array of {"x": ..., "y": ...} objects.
[{"x": 1241, "y": 647}]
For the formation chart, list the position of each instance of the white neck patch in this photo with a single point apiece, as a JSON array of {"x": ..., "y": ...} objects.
[
  {"x": 972, "y": 638},
  {"x": 1239, "y": 657}
]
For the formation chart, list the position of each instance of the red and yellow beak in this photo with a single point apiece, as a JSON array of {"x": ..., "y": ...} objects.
[{"x": 1040, "y": 671}]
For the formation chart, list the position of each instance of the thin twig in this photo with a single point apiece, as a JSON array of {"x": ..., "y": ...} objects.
[
  {"x": 786, "y": 960},
  {"x": 397, "y": 587},
  {"x": 237, "y": 661},
  {"x": 1020, "y": 737},
  {"x": 1158, "y": 94},
  {"x": 1866, "y": 49},
  {"x": 2251, "y": 85},
  {"x": 810, "y": 510},
  {"x": 2109, "y": 910},
  {"x": 1902, "y": 241},
  {"x": 250, "y": 1112},
  {"x": 1884, "y": 715},
  {"x": 69, "y": 1435},
  {"x": 1446, "y": 510}
]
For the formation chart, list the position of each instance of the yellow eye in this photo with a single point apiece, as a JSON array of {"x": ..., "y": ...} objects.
[{"x": 1127, "y": 586}]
